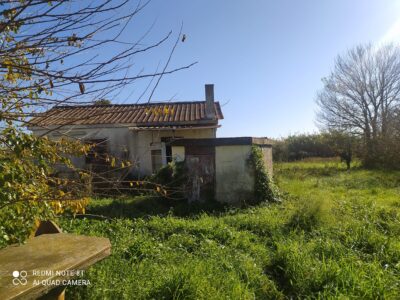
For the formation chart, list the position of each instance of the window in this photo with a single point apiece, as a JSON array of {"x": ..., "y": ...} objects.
[
  {"x": 156, "y": 160},
  {"x": 168, "y": 148}
]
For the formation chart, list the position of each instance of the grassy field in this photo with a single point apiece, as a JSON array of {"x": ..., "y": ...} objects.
[{"x": 335, "y": 235}]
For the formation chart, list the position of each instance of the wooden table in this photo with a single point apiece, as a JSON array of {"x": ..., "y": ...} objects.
[{"x": 47, "y": 258}]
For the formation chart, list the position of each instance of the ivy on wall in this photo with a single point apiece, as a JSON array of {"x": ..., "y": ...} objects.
[{"x": 264, "y": 187}]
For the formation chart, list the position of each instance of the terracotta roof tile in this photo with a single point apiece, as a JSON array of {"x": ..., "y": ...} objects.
[{"x": 151, "y": 114}]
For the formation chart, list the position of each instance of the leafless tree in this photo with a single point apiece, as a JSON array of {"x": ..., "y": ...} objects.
[
  {"x": 56, "y": 51},
  {"x": 361, "y": 96},
  {"x": 65, "y": 52}
]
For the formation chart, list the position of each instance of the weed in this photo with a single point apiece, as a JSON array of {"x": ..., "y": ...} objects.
[{"x": 335, "y": 236}]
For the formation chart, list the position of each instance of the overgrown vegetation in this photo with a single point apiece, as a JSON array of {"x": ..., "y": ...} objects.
[
  {"x": 336, "y": 235},
  {"x": 327, "y": 144},
  {"x": 264, "y": 187},
  {"x": 28, "y": 191},
  {"x": 52, "y": 54},
  {"x": 174, "y": 180},
  {"x": 300, "y": 146}
]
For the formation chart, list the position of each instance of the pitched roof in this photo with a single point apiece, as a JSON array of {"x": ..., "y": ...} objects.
[{"x": 149, "y": 114}]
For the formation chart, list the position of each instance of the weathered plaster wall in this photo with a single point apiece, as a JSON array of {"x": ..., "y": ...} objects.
[
  {"x": 234, "y": 176},
  {"x": 127, "y": 144}
]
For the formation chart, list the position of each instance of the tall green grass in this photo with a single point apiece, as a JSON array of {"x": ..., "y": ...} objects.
[{"x": 335, "y": 236}]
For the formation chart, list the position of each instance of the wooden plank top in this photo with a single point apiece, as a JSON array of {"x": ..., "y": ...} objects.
[{"x": 48, "y": 257}]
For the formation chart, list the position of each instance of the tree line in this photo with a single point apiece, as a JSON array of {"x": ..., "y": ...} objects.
[{"x": 325, "y": 144}]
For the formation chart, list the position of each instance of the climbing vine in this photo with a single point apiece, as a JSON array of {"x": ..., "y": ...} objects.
[{"x": 264, "y": 187}]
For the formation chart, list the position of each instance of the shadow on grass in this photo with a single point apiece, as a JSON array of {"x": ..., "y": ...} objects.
[{"x": 143, "y": 206}]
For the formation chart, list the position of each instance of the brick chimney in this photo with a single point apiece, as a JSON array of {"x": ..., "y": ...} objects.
[{"x": 210, "y": 109}]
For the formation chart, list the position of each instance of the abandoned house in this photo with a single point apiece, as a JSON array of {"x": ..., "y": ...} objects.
[
  {"x": 153, "y": 134},
  {"x": 140, "y": 133}
]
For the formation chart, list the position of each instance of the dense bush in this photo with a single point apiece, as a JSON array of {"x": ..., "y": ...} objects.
[
  {"x": 297, "y": 147},
  {"x": 173, "y": 179},
  {"x": 325, "y": 144}
]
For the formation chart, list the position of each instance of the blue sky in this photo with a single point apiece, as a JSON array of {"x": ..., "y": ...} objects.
[{"x": 266, "y": 58}]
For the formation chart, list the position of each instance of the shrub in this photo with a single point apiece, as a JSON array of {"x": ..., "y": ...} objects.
[
  {"x": 297, "y": 147},
  {"x": 264, "y": 188},
  {"x": 173, "y": 179}
]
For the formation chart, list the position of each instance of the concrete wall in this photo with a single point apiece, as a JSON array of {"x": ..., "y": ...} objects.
[
  {"x": 126, "y": 144},
  {"x": 234, "y": 176}
]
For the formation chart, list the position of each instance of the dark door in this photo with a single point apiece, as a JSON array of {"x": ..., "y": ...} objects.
[
  {"x": 200, "y": 161},
  {"x": 168, "y": 148}
]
